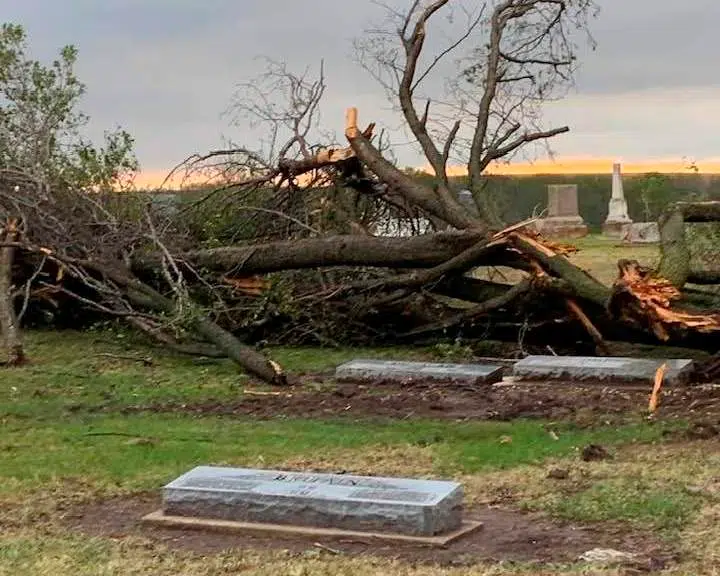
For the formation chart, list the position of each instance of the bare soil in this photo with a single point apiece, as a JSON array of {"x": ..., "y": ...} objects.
[
  {"x": 507, "y": 535},
  {"x": 582, "y": 404}
]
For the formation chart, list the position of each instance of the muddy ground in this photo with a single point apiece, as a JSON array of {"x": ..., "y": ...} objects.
[
  {"x": 585, "y": 404},
  {"x": 506, "y": 536}
]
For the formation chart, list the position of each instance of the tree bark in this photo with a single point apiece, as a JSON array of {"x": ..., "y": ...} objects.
[
  {"x": 9, "y": 325},
  {"x": 470, "y": 314},
  {"x": 698, "y": 211},
  {"x": 675, "y": 261},
  {"x": 675, "y": 257},
  {"x": 583, "y": 284},
  {"x": 167, "y": 341},
  {"x": 423, "y": 251}
]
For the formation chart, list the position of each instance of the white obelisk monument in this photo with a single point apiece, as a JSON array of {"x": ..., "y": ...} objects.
[{"x": 617, "y": 223}]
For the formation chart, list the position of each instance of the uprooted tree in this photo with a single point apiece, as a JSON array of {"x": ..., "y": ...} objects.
[{"x": 330, "y": 241}]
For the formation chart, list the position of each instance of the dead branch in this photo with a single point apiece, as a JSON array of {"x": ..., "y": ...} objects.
[
  {"x": 446, "y": 209},
  {"x": 475, "y": 312}
]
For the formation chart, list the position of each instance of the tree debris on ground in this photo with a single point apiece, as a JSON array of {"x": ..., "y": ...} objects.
[{"x": 331, "y": 242}]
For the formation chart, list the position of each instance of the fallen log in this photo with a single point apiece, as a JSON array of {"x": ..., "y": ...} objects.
[
  {"x": 158, "y": 335},
  {"x": 254, "y": 362},
  {"x": 422, "y": 251},
  {"x": 145, "y": 296}
]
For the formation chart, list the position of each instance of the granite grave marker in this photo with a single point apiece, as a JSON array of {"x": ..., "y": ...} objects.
[
  {"x": 380, "y": 369},
  {"x": 579, "y": 368},
  {"x": 362, "y": 503}
]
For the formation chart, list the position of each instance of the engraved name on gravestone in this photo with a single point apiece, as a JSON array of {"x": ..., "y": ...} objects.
[
  {"x": 578, "y": 368},
  {"x": 382, "y": 369},
  {"x": 393, "y": 505}
]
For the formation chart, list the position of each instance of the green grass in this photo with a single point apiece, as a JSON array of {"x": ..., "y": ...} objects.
[
  {"x": 139, "y": 452},
  {"x": 666, "y": 507},
  {"x": 598, "y": 255},
  {"x": 72, "y": 372},
  {"x": 62, "y": 419},
  {"x": 65, "y": 437}
]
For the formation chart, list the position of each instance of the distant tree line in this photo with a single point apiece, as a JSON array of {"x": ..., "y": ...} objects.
[{"x": 515, "y": 198}]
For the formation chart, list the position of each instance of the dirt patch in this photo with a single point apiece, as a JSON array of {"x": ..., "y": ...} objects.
[
  {"x": 507, "y": 535},
  {"x": 583, "y": 404}
]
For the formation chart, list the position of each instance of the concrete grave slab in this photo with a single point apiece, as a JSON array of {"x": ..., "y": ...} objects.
[
  {"x": 579, "y": 368},
  {"x": 330, "y": 501},
  {"x": 381, "y": 369},
  {"x": 158, "y": 518}
]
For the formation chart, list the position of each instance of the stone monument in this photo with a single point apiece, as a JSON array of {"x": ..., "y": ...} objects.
[
  {"x": 618, "y": 223},
  {"x": 314, "y": 504},
  {"x": 563, "y": 219}
]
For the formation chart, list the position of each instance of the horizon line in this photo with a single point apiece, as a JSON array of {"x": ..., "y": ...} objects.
[{"x": 562, "y": 166}]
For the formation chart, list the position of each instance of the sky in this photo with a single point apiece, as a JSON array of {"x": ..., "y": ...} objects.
[{"x": 166, "y": 71}]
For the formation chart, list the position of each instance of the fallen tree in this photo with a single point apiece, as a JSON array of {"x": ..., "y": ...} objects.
[{"x": 304, "y": 257}]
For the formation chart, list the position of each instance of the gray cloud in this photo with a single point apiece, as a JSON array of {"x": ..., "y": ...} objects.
[
  {"x": 652, "y": 44},
  {"x": 166, "y": 69}
]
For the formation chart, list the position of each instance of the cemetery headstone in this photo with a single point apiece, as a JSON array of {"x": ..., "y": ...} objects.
[
  {"x": 578, "y": 368},
  {"x": 617, "y": 224},
  {"x": 360, "y": 503},
  {"x": 563, "y": 217},
  {"x": 393, "y": 370}
]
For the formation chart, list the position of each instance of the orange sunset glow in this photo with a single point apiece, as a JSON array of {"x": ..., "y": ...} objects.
[{"x": 566, "y": 166}]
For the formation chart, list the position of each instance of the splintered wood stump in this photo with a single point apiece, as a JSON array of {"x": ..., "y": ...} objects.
[{"x": 641, "y": 297}]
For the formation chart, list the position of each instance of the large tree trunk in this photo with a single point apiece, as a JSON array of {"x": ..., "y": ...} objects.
[
  {"x": 349, "y": 250},
  {"x": 676, "y": 261}
]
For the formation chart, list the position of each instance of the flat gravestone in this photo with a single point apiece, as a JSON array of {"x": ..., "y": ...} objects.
[
  {"x": 361, "y": 503},
  {"x": 380, "y": 369},
  {"x": 578, "y": 368}
]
